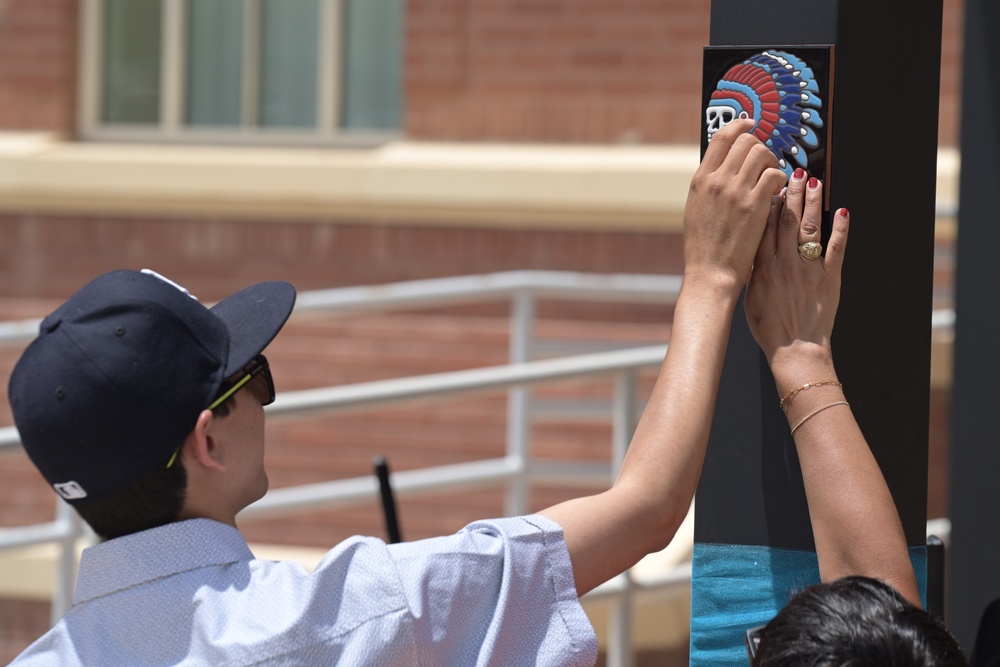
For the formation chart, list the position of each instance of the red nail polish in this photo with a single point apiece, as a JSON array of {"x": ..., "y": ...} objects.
[
  {"x": 813, "y": 182},
  {"x": 843, "y": 212},
  {"x": 798, "y": 173}
]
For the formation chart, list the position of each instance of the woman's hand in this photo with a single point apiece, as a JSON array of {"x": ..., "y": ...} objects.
[
  {"x": 727, "y": 206},
  {"x": 791, "y": 300},
  {"x": 790, "y": 304}
]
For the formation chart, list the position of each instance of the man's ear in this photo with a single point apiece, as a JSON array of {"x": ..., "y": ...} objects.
[{"x": 200, "y": 445}]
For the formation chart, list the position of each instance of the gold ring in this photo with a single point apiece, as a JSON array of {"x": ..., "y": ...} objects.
[{"x": 810, "y": 250}]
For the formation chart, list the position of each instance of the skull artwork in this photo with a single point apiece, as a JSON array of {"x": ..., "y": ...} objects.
[
  {"x": 779, "y": 92},
  {"x": 721, "y": 113}
]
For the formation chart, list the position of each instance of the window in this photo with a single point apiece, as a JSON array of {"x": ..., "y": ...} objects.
[{"x": 216, "y": 70}]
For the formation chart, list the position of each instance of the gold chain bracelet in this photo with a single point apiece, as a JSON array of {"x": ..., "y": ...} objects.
[{"x": 792, "y": 392}]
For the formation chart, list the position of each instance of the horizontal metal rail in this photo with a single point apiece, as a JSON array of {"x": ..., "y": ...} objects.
[
  {"x": 456, "y": 290},
  {"x": 373, "y": 395},
  {"x": 653, "y": 289},
  {"x": 370, "y": 395}
]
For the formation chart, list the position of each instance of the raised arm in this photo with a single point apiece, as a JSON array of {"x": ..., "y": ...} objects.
[
  {"x": 791, "y": 303},
  {"x": 724, "y": 218}
]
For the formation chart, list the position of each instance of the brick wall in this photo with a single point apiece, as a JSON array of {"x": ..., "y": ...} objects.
[
  {"x": 951, "y": 72},
  {"x": 51, "y": 256},
  {"x": 572, "y": 70},
  {"x": 38, "y": 65},
  {"x": 578, "y": 70},
  {"x": 21, "y": 622},
  {"x": 508, "y": 70}
]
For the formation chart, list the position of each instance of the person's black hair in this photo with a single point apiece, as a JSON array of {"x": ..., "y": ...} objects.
[
  {"x": 153, "y": 500},
  {"x": 855, "y": 622}
]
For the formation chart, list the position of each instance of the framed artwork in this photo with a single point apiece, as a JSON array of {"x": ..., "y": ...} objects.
[{"x": 786, "y": 90}]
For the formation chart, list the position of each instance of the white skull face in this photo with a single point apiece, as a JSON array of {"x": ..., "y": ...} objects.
[{"x": 721, "y": 113}]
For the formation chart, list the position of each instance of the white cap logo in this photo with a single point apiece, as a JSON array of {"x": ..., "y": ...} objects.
[
  {"x": 150, "y": 272},
  {"x": 70, "y": 490}
]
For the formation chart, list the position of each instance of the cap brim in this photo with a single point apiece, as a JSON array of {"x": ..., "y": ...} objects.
[{"x": 253, "y": 316}]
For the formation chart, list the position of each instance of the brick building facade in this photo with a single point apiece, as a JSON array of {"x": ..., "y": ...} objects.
[
  {"x": 539, "y": 74},
  {"x": 484, "y": 70}
]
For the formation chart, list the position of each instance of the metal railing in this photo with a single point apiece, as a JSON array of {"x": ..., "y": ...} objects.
[{"x": 515, "y": 469}]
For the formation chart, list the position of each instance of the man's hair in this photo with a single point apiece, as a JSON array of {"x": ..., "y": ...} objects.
[
  {"x": 854, "y": 622},
  {"x": 155, "y": 499}
]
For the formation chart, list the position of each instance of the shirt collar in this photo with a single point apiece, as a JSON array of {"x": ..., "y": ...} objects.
[{"x": 159, "y": 552}]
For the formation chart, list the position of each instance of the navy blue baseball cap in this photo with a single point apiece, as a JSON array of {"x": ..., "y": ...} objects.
[{"x": 119, "y": 373}]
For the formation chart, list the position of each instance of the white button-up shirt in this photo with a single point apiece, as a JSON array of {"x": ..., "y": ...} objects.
[{"x": 498, "y": 592}]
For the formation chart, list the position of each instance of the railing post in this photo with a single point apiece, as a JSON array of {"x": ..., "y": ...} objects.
[
  {"x": 522, "y": 319},
  {"x": 62, "y": 594},
  {"x": 622, "y": 418},
  {"x": 619, "y": 651}
]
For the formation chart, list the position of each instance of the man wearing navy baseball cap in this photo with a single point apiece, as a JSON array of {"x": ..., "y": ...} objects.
[{"x": 115, "y": 397}]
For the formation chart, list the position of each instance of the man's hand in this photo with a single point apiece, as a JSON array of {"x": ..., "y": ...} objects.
[{"x": 727, "y": 205}]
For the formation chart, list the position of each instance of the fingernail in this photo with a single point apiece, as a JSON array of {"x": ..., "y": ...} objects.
[
  {"x": 843, "y": 213},
  {"x": 798, "y": 173},
  {"x": 813, "y": 182}
]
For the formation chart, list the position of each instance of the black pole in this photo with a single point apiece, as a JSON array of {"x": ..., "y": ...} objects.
[
  {"x": 883, "y": 168},
  {"x": 935, "y": 575},
  {"x": 388, "y": 500},
  {"x": 882, "y": 339},
  {"x": 973, "y": 572}
]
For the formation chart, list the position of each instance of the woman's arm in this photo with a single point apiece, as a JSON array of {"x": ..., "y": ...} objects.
[{"x": 791, "y": 304}]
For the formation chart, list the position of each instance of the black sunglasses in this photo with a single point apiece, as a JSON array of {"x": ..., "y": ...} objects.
[
  {"x": 257, "y": 366},
  {"x": 250, "y": 371}
]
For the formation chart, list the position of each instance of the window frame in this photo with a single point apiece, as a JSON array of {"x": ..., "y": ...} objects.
[{"x": 171, "y": 127}]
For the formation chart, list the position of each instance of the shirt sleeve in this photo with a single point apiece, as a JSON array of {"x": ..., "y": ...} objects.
[{"x": 498, "y": 592}]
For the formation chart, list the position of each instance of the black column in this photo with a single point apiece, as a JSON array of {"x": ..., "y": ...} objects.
[{"x": 974, "y": 557}]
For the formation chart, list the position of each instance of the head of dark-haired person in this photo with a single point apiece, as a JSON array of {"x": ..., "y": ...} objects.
[
  {"x": 121, "y": 375},
  {"x": 856, "y": 622}
]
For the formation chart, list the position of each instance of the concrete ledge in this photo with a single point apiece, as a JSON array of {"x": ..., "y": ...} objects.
[
  {"x": 632, "y": 187},
  {"x": 558, "y": 186},
  {"x": 571, "y": 186}
]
